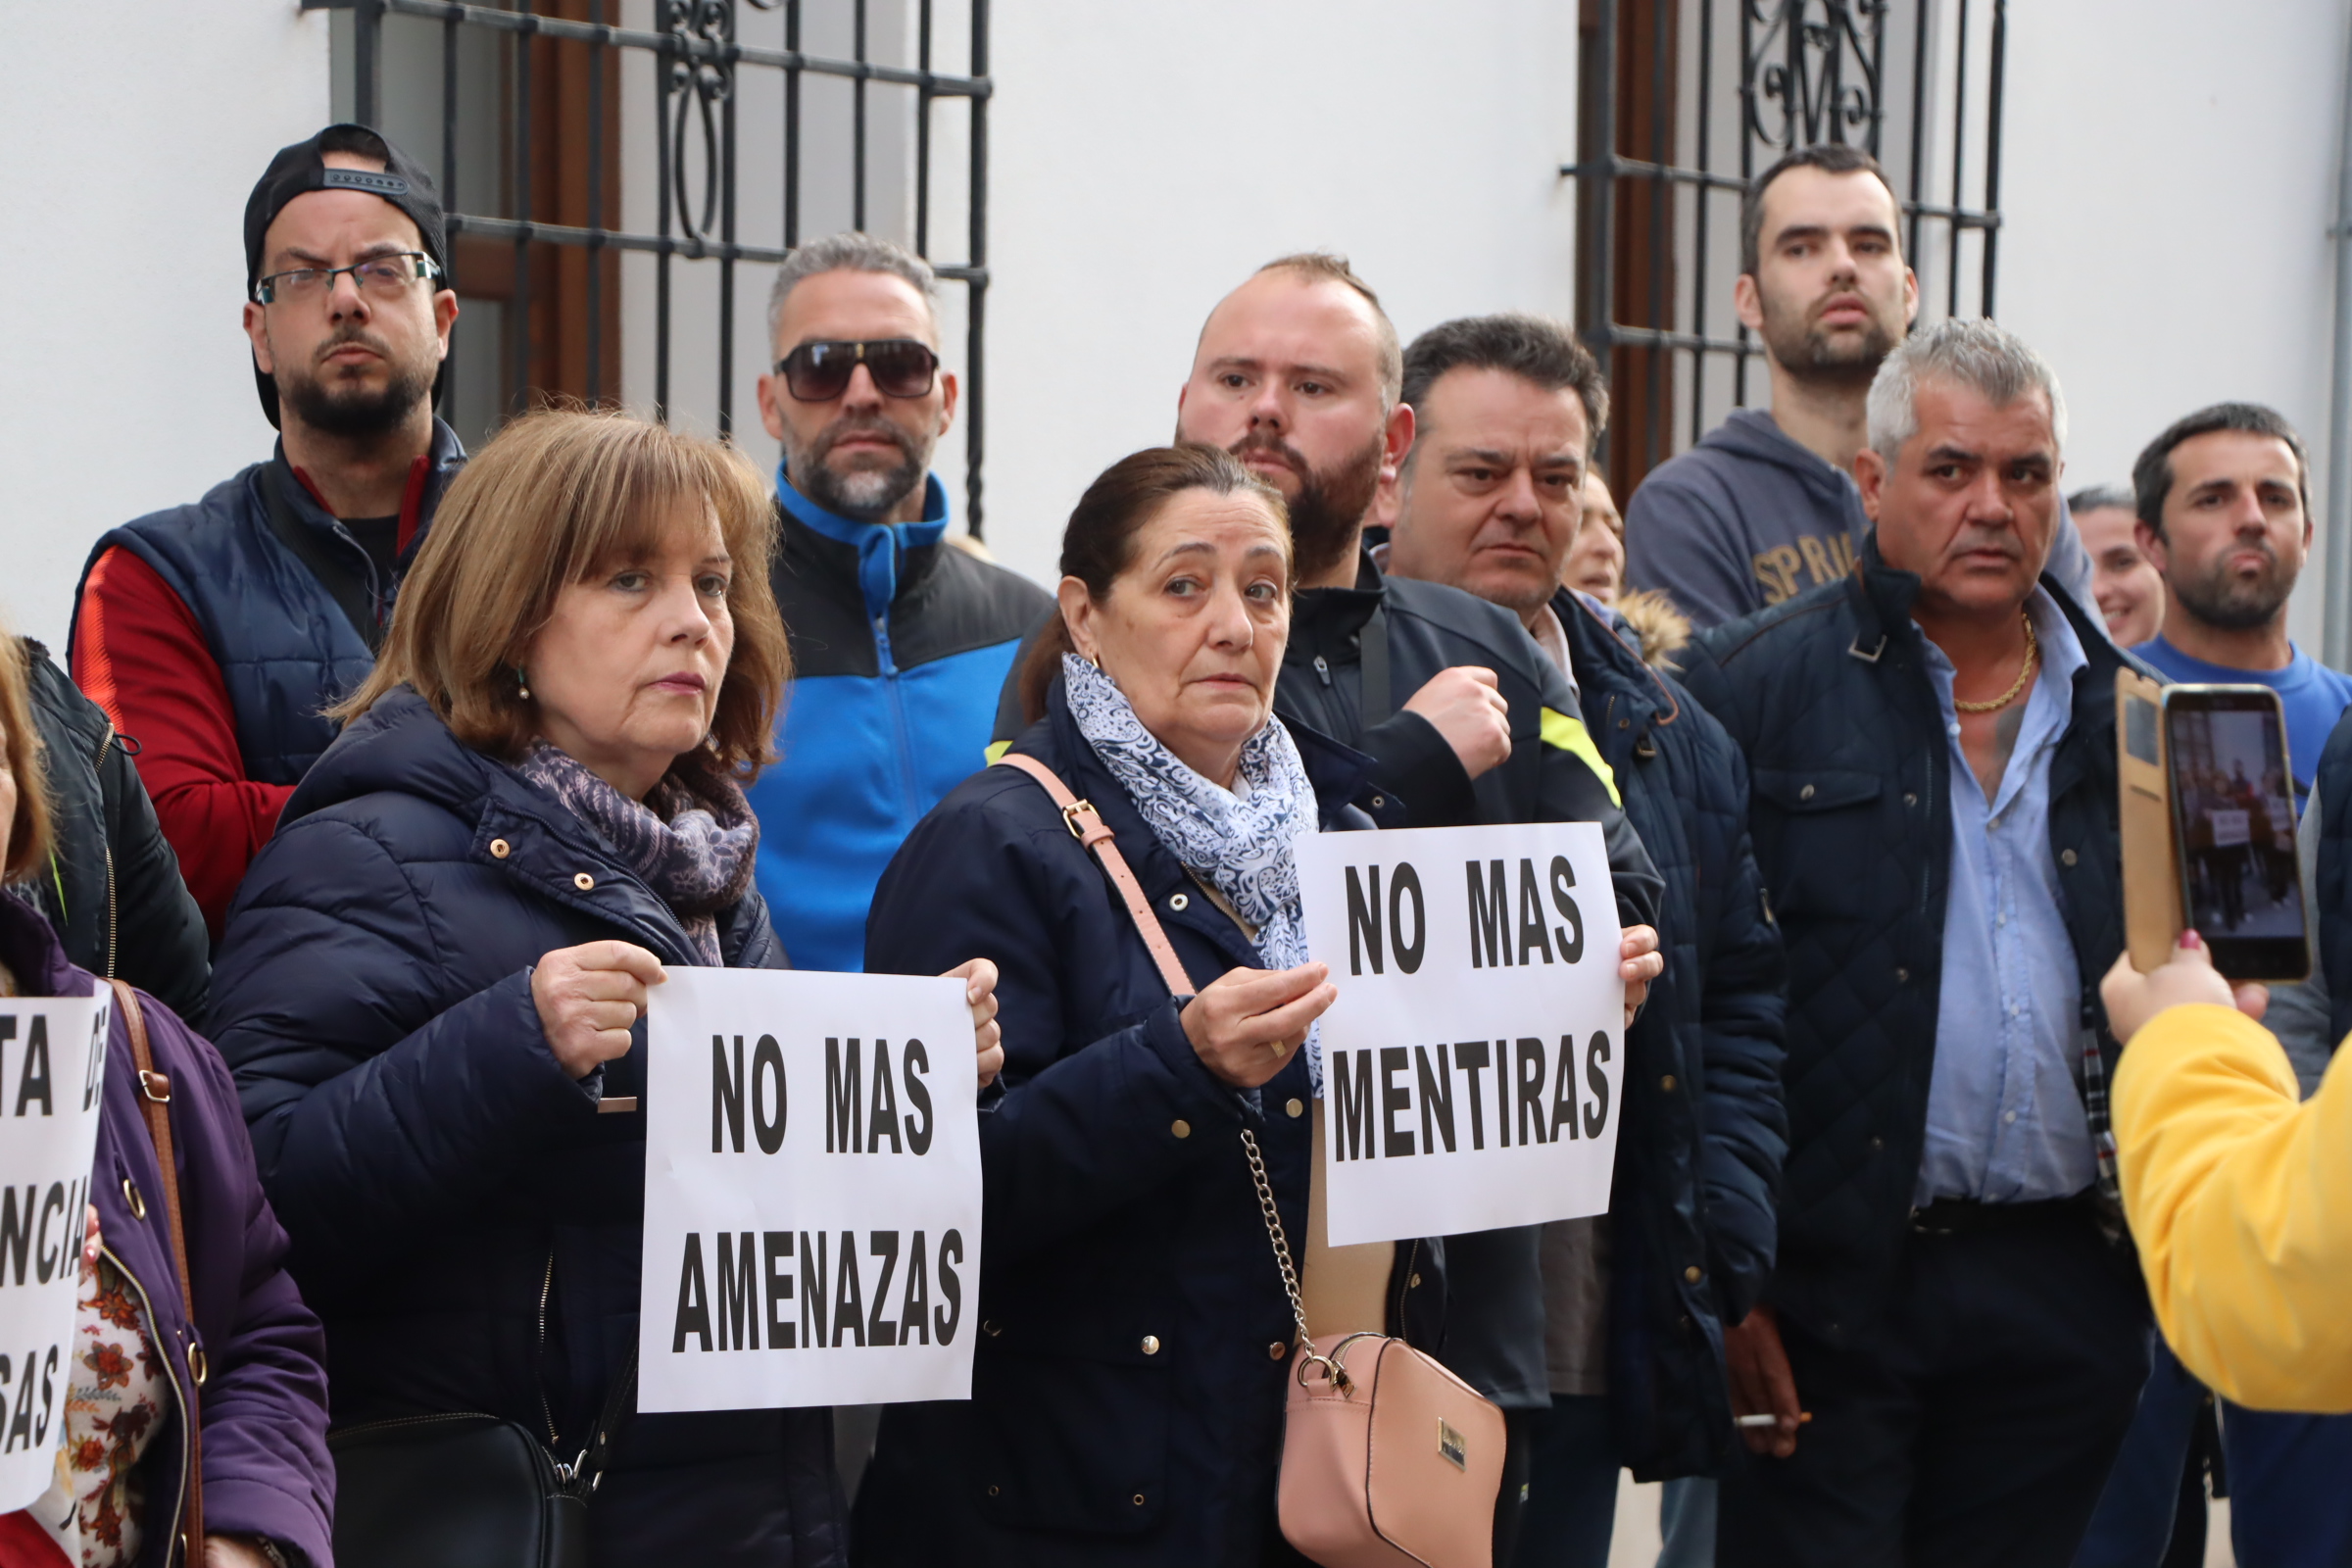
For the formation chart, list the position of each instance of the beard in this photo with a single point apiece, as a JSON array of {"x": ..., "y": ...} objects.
[
  {"x": 866, "y": 495},
  {"x": 2220, "y": 598},
  {"x": 1812, "y": 353},
  {"x": 354, "y": 411},
  {"x": 1330, "y": 506}
]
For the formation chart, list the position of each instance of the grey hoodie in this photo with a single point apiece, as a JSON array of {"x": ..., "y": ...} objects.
[{"x": 1749, "y": 517}]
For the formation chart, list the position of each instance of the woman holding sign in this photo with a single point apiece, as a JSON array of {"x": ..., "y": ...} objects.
[
  {"x": 1128, "y": 1383},
  {"x": 102, "y": 1422},
  {"x": 433, "y": 979}
]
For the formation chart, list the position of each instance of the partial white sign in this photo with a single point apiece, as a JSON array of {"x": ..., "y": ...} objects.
[
  {"x": 52, "y": 1072},
  {"x": 1472, "y": 1063},
  {"x": 811, "y": 1190}
]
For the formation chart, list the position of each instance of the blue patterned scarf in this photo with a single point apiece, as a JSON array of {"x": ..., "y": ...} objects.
[{"x": 1242, "y": 842}]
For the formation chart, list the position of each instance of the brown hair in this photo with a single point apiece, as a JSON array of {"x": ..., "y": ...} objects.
[
  {"x": 29, "y": 829},
  {"x": 1097, "y": 545},
  {"x": 557, "y": 496},
  {"x": 1329, "y": 266}
]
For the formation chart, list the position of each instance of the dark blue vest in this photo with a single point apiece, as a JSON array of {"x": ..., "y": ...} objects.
[{"x": 285, "y": 648}]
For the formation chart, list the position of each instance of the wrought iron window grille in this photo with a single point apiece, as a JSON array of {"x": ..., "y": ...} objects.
[
  {"x": 1809, "y": 70},
  {"x": 697, "y": 56}
]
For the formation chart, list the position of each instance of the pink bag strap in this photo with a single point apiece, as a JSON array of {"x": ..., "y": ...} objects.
[{"x": 1087, "y": 827}]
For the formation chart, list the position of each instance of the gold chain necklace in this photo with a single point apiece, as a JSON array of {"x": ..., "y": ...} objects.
[{"x": 2024, "y": 674}]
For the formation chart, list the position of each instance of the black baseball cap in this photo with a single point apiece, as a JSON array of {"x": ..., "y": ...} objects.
[{"x": 298, "y": 169}]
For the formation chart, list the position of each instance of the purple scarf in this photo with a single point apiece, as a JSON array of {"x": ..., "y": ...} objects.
[{"x": 691, "y": 840}]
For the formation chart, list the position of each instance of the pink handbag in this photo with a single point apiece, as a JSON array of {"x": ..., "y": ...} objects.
[{"x": 1388, "y": 1459}]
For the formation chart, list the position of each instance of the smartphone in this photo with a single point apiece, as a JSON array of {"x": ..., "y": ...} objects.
[{"x": 2233, "y": 829}]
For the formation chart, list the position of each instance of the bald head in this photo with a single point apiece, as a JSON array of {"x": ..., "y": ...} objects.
[{"x": 1297, "y": 372}]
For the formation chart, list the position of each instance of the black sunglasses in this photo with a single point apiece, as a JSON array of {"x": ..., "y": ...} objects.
[{"x": 819, "y": 372}]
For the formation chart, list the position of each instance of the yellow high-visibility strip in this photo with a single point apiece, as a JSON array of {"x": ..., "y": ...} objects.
[
  {"x": 1570, "y": 735},
  {"x": 996, "y": 752}
]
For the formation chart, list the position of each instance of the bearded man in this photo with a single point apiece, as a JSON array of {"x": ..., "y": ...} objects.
[
  {"x": 217, "y": 633},
  {"x": 899, "y": 639},
  {"x": 1765, "y": 506},
  {"x": 2225, "y": 512}
]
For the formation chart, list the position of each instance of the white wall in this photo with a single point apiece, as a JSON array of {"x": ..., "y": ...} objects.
[
  {"x": 2169, "y": 182},
  {"x": 134, "y": 129},
  {"x": 1146, "y": 159}
]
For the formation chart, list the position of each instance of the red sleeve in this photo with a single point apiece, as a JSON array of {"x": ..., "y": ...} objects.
[{"x": 139, "y": 655}]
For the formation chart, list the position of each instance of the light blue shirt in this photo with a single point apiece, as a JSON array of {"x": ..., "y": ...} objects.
[{"x": 2005, "y": 1119}]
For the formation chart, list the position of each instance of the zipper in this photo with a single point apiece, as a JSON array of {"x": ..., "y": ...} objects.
[
  {"x": 1322, "y": 670},
  {"x": 180, "y": 1501},
  {"x": 546, "y": 1288},
  {"x": 891, "y": 679},
  {"x": 110, "y": 912},
  {"x": 389, "y": 1423}
]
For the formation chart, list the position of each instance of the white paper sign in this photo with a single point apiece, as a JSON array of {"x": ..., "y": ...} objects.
[
  {"x": 2230, "y": 828},
  {"x": 52, "y": 1069},
  {"x": 1472, "y": 1063},
  {"x": 811, "y": 1190}
]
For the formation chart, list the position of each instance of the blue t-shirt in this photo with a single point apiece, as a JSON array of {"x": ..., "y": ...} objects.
[{"x": 2315, "y": 697}]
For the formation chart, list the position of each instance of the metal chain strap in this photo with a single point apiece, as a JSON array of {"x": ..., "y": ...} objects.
[{"x": 1337, "y": 1373}]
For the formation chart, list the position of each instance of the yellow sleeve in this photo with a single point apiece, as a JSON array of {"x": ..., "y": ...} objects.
[{"x": 2240, "y": 1199}]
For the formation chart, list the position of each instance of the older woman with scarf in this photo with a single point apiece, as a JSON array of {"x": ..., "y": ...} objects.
[
  {"x": 1135, "y": 1334},
  {"x": 433, "y": 982}
]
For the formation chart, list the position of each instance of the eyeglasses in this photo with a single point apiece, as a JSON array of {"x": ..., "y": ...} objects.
[
  {"x": 382, "y": 278},
  {"x": 819, "y": 372}
]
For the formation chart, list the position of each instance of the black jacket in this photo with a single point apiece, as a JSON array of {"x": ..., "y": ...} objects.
[
  {"x": 1699, "y": 1155},
  {"x": 1127, "y": 1384},
  {"x": 1829, "y": 698},
  {"x": 1495, "y": 1317},
  {"x": 465, "y": 1223},
  {"x": 110, "y": 886}
]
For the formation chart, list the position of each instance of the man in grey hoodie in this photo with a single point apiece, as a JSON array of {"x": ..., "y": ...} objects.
[{"x": 1763, "y": 508}]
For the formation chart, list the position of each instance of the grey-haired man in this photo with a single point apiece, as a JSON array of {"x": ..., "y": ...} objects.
[
  {"x": 1932, "y": 744},
  {"x": 900, "y": 640}
]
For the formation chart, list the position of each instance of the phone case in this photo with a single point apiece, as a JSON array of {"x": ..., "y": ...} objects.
[{"x": 2152, "y": 915}]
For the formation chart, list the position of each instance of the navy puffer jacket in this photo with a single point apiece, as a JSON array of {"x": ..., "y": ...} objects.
[
  {"x": 1127, "y": 1383},
  {"x": 1829, "y": 697},
  {"x": 1699, "y": 1157},
  {"x": 464, "y": 1220}
]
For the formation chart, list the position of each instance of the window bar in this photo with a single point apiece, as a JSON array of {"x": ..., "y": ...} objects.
[
  {"x": 519, "y": 326},
  {"x": 858, "y": 128},
  {"x": 1992, "y": 143},
  {"x": 666, "y": 73},
  {"x": 449, "y": 181},
  {"x": 367, "y": 62},
  {"x": 976, "y": 286},
  {"x": 1921, "y": 19},
  {"x": 1601, "y": 335},
  {"x": 726, "y": 232},
  {"x": 596, "y": 209},
  {"x": 1747, "y": 177},
  {"x": 1658, "y": 361},
  {"x": 792, "y": 126},
  {"x": 1877, "y": 78},
  {"x": 1959, "y": 153},
  {"x": 922, "y": 135},
  {"x": 1699, "y": 197}
]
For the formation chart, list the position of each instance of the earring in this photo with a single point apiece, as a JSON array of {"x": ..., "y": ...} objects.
[{"x": 522, "y": 684}]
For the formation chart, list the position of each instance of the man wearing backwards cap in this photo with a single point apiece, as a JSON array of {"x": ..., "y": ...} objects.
[{"x": 216, "y": 632}]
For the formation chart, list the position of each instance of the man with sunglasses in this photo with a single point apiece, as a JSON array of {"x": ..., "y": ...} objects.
[
  {"x": 216, "y": 632},
  {"x": 900, "y": 640}
]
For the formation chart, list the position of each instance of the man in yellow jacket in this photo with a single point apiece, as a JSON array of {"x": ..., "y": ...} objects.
[{"x": 2239, "y": 1193}]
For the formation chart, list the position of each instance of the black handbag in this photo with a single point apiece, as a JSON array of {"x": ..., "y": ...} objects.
[{"x": 466, "y": 1491}]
